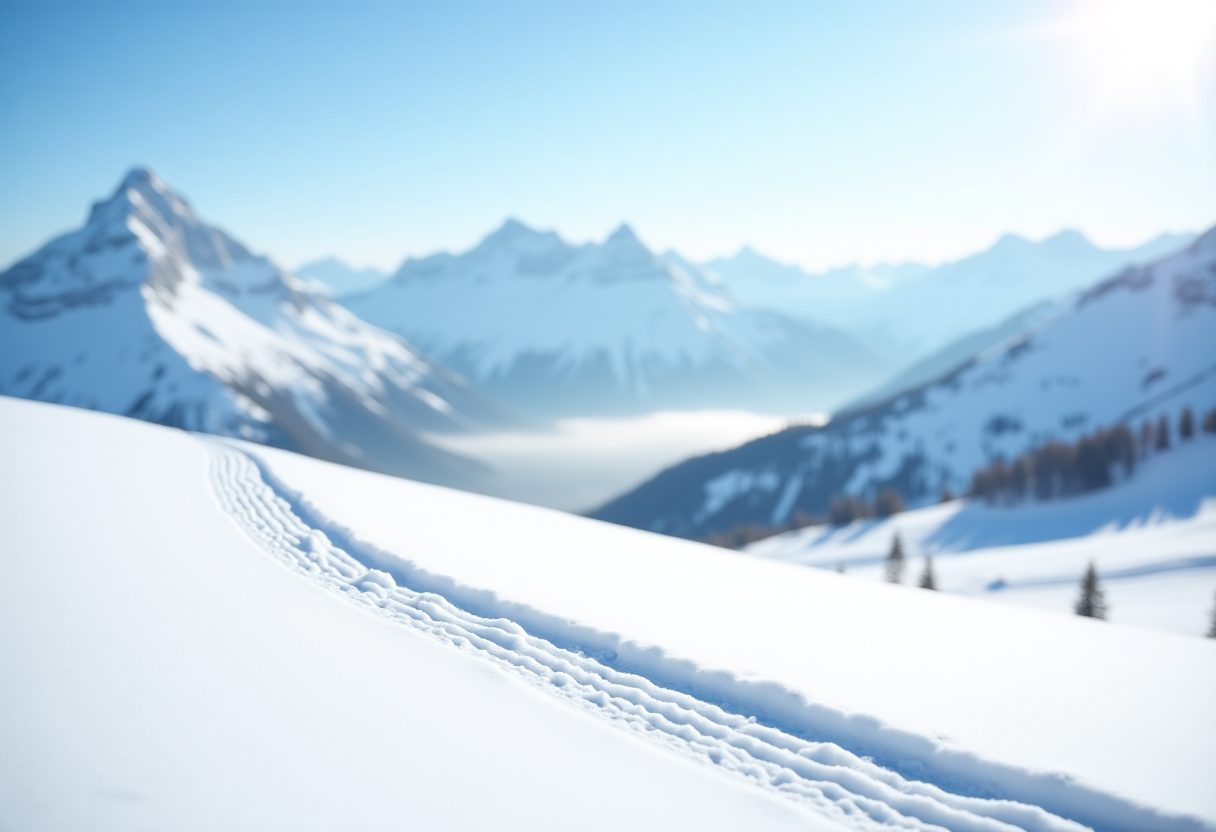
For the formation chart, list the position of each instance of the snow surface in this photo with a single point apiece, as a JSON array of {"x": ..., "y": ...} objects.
[
  {"x": 214, "y": 633},
  {"x": 1152, "y": 539},
  {"x": 162, "y": 672}
]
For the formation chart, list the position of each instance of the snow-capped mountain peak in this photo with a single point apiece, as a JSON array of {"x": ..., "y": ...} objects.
[
  {"x": 150, "y": 312},
  {"x": 561, "y": 329}
]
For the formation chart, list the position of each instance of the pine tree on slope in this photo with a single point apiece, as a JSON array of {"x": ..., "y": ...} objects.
[
  {"x": 1186, "y": 425},
  {"x": 1092, "y": 601},
  {"x": 927, "y": 579},
  {"x": 895, "y": 561},
  {"x": 1212, "y": 629}
]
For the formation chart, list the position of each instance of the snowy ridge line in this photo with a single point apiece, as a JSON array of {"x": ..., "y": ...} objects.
[{"x": 838, "y": 781}]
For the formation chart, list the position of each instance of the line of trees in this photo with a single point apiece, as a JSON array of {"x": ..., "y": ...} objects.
[
  {"x": 1096, "y": 460},
  {"x": 1058, "y": 469},
  {"x": 845, "y": 510}
]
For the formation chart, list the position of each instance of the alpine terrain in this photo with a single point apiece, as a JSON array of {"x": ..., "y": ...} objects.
[
  {"x": 149, "y": 312},
  {"x": 555, "y": 329},
  {"x": 204, "y": 633},
  {"x": 1138, "y": 347},
  {"x": 911, "y": 310}
]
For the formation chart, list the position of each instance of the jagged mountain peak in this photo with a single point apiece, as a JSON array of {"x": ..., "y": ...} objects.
[
  {"x": 148, "y": 311},
  {"x": 607, "y": 328},
  {"x": 145, "y": 199}
]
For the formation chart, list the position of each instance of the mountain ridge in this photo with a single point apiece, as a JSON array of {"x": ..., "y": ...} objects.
[
  {"x": 556, "y": 329},
  {"x": 912, "y": 310},
  {"x": 149, "y": 312},
  {"x": 1140, "y": 345}
]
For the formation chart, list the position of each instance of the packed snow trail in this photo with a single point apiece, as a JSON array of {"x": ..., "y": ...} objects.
[{"x": 841, "y": 784}]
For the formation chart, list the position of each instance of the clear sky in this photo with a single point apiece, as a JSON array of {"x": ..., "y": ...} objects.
[{"x": 816, "y": 132}]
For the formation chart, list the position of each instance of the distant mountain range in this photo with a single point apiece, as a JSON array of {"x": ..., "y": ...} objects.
[
  {"x": 911, "y": 311},
  {"x": 335, "y": 279},
  {"x": 149, "y": 312},
  {"x": 1140, "y": 345},
  {"x": 555, "y": 329}
]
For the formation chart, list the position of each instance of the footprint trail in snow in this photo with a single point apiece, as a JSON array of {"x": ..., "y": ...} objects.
[{"x": 842, "y": 785}]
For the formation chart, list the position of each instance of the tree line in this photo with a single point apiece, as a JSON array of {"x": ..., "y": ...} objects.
[{"x": 1094, "y": 461}]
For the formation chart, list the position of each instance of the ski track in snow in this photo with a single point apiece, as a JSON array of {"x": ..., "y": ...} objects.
[{"x": 842, "y": 785}]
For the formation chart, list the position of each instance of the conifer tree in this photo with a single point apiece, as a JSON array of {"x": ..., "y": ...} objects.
[
  {"x": 1186, "y": 425},
  {"x": 895, "y": 561},
  {"x": 1146, "y": 438},
  {"x": 888, "y": 502},
  {"x": 1092, "y": 601},
  {"x": 927, "y": 579},
  {"x": 1209, "y": 421},
  {"x": 1212, "y": 629},
  {"x": 1163, "y": 433}
]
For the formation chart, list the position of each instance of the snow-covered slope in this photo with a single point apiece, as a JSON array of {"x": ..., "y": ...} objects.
[
  {"x": 1139, "y": 346},
  {"x": 1152, "y": 539},
  {"x": 336, "y": 279},
  {"x": 910, "y": 311},
  {"x": 558, "y": 330},
  {"x": 149, "y": 312},
  {"x": 959, "y": 352},
  {"x": 227, "y": 635}
]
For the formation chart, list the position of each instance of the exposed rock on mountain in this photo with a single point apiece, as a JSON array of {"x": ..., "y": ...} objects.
[{"x": 149, "y": 312}]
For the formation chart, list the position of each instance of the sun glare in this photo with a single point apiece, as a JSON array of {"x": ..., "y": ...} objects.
[{"x": 1144, "y": 51}]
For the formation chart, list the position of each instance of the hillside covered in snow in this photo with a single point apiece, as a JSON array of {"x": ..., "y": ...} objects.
[
  {"x": 227, "y": 635},
  {"x": 555, "y": 329},
  {"x": 147, "y": 311},
  {"x": 1140, "y": 346},
  {"x": 1151, "y": 538}
]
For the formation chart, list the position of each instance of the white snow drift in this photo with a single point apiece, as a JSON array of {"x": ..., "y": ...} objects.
[{"x": 202, "y": 634}]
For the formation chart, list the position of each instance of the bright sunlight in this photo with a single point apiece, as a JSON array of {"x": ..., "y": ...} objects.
[{"x": 1144, "y": 52}]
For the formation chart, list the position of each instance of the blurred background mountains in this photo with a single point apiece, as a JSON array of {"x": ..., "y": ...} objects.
[{"x": 932, "y": 371}]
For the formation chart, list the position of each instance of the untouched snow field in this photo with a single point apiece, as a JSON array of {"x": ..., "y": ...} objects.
[
  {"x": 1152, "y": 539},
  {"x": 200, "y": 633}
]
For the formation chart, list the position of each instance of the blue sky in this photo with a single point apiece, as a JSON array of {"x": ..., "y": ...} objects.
[{"x": 816, "y": 132}]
